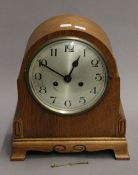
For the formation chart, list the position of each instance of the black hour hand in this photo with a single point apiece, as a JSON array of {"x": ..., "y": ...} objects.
[{"x": 75, "y": 63}]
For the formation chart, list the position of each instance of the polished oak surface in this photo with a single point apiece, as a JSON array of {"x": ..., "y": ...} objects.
[{"x": 106, "y": 119}]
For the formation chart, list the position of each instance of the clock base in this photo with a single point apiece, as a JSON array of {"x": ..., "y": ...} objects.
[{"x": 70, "y": 145}]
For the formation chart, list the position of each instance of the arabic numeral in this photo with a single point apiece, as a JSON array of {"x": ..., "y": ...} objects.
[
  {"x": 42, "y": 62},
  {"x": 82, "y": 100},
  {"x": 53, "y": 52},
  {"x": 69, "y": 48},
  {"x": 53, "y": 99},
  {"x": 42, "y": 90},
  {"x": 84, "y": 52},
  {"x": 98, "y": 77},
  {"x": 94, "y": 63},
  {"x": 93, "y": 90},
  {"x": 67, "y": 103},
  {"x": 38, "y": 76}
]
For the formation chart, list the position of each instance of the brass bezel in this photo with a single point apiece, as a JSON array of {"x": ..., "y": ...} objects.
[{"x": 68, "y": 112}]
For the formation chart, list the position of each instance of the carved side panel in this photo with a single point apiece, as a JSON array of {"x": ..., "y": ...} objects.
[
  {"x": 121, "y": 127},
  {"x": 121, "y": 122},
  {"x": 18, "y": 128}
]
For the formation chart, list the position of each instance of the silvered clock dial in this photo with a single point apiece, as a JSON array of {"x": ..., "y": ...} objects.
[{"x": 68, "y": 75}]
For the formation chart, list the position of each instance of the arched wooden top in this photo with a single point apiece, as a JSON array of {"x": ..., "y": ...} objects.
[
  {"x": 70, "y": 25},
  {"x": 69, "y": 22}
]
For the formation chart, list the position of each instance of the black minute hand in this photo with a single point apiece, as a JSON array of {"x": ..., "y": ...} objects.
[{"x": 55, "y": 71}]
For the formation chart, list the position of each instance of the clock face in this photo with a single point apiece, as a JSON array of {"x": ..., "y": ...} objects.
[{"x": 68, "y": 75}]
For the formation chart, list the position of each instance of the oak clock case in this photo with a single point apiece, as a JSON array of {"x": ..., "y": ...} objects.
[{"x": 69, "y": 92}]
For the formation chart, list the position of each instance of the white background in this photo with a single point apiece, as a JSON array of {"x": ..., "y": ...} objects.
[{"x": 119, "y": 19}]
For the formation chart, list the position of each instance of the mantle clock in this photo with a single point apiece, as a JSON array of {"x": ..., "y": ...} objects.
[{"x": 69, "y": 91}]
